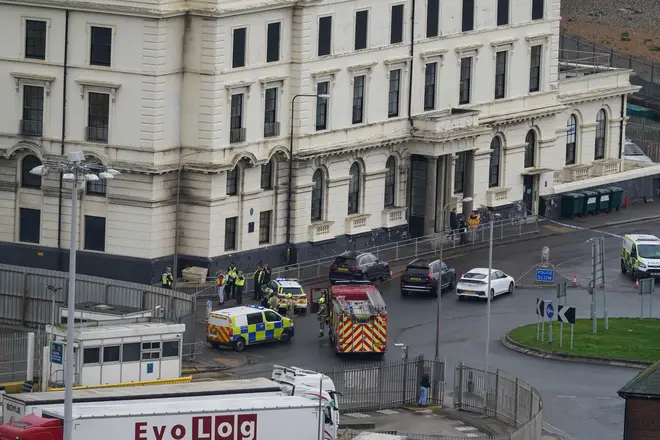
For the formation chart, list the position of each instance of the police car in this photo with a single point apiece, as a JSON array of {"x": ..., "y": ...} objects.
[
  {"x": 640, "y": 254},
  {"x": 241, "y": 326},
  {"x": 284, "y": 286}
]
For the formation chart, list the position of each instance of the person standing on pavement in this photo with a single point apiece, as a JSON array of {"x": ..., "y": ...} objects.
[
  {"x": 220, "y": 282},
  {"x": 290, "y": 307},
  {"x": 257, "y": 278},
  {"x": 166, "y": 279},
  {"x": 424, "y": 386},
  {"x": 240, "y": 284},
  {"x": 231, "y": 281},
  {"x": 274, "y": 301},
  {"x": 322, "y": 316},
  {"x": 265, "y": 279},
  {"x": 453, "y": 222}
]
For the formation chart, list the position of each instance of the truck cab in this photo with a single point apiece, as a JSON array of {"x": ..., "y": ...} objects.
[{"x": 32, "y": 427}]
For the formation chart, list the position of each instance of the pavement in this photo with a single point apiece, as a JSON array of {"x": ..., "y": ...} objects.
[{"x": 579, "y": 399}]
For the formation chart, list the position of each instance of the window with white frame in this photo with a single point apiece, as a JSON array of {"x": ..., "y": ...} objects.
[
  {"x": 390, "y": 182},
  {"x": 571, "y": 140},
  {"x": 322, "y": 105},
  {"x": 271, "y": 123},
  {"x": 35, "y": 39},
  {"x": 430, "y": 78},
  {"x": 359, "y": 84},
  {"x": 317, "y": 195},
  {"x": 236, "y": 128},
  {"x": 535, "y": 68},
  {"x": 465, "y": 81},
  {"x": 500, "y": 73},
  {"x": 354, "y": 188},
  {"x": 394, "y": 93},
  {"x": 601, "y": 135},
  {"x": 494, "y": 165},
  {"x": 150, "y": 350}
]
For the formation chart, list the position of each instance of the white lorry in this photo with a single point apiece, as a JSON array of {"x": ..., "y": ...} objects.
[{"x": 223, "y": 418}]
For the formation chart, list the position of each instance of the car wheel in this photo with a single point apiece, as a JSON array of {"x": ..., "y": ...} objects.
[
  {"x": 239, "y": 344},
  {"x": 510, "y": 291},
  {"x": 404, "y": 292},
  {"x": 492, "y": 294},
  {"x": 436, "y": 291},
  {"x": 286, "y": 337},
  {"x": 214, "y": 344},
  {"x": 460, "y": 298},
  {"x": 623, "y": 268}
]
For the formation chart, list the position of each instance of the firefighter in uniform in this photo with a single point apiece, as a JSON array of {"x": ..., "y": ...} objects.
[
  {"x": 290, "y": 306},
  {"x": 322, "y": 316},
  {"x": 273, "y": 301},
  {"x": 240, "y": 284},
  {"x": 166, "y": 279}
]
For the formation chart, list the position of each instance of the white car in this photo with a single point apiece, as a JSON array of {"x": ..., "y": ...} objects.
[
  {"x": 633, "y": 153},
  {"x": 474, "y": 284}
]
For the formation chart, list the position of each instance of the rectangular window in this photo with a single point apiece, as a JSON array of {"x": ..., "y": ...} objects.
[
  {"x": 273, "y": 42},
  {"x": 239, "y": 40},
  {"x": 35, "y": 39},
  {"x": 267, "y": 176},
  {"x": 467, "y": 19},
  {"x": 459, "y": 172},
  {"x": 430, "y": 74},
  {"x": 33, "y": 111},
  {"x": 361, "y": 29},
  {"x": 171, "y": 349},
  {"x": 150, "y": 350},
  {"x": 502, "y": 12},
  {"x": 94, "y": 233},
  {"x": 236, "y": 130},
  {"x": 111, "y": 353},
  {"x": 98, "y": 117},
  {"x": 92, "y": 355},
  {"x": 101, "y": 46},
  {"x": 535, "y": 69},
  {"x": 396, "y": 24},
  {"x": 230, "y": 233},
  {"x": 271, "y": 126},
  {"x": 97, "y": 187},
  {"x": 29, "y": 228},
  {"x": 538, "y": 9},
  {"x": 130, "y": 352},
  {"x": 358, "y": 99},
  {"x": 432, "y": 18},
  {"x": 325, "y": 36},
  {"x": 500, "y": 74},
  {"x": 232, "y": 182},
  {"x": 322, "y": 88},
  {"x": 466, "y": 81},
  {"x": 394, "y": 93},
  {"x": 265, "y": 218}
]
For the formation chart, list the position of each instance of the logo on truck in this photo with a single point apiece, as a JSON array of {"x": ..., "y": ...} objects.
[{"x": 221, "y": 427}]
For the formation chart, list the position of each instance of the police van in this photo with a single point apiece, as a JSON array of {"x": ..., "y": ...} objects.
[
  {"x": 238, "y": 327},
  {"x": 640, "y": 254},
  {"x": 284, "y": 286}
]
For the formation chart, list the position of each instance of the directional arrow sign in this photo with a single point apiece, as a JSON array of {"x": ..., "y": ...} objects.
[
  {"x": 549, "y": 310},
  {"x": 540, "y": 307},
  {"x": 566, "y": 314}
]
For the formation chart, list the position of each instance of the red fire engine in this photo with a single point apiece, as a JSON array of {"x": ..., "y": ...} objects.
[{"x": 358, "y": 318}]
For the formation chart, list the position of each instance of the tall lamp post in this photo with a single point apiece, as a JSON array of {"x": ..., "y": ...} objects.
[
  {"x": 290, "y": 178},
  {"x": 175, "y": 263},
  {"x": 437, "y": 312},
  {"x": 76, "y": 170}
]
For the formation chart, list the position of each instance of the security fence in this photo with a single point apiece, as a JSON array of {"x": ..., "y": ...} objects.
[
  {"x": 395, "y": 252},
  {"x": 646, "y": 72},
  {"x": 14, "y": 356}
]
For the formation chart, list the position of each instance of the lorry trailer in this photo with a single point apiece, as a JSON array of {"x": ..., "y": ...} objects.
[{"x": 271, "y": 417}]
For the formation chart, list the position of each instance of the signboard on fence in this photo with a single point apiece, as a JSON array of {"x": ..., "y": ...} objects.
[{"x": 56, "y": 353}]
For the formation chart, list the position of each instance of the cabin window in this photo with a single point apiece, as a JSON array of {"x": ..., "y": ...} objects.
[
  {"x": 171, "y": 349},
  {"x": 150, "y": 350},
  {"x": 92, "y": 355},
  {"x": 130, "y": 352},
  {"x": 111, "y": 353}
]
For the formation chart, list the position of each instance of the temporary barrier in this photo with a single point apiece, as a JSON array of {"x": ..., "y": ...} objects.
[{"x": 187, "y": 379}]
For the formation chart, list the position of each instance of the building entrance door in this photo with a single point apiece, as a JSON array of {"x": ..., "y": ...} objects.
[{"x": 417, "y": 202}]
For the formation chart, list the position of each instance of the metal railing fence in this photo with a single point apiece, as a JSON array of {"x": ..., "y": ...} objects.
[
  {"x": 14, "y": 356},
  {"x": 393, "y": 253},
  {"x": 498, "y": 395},
  {"x": 646, "y": 72}
]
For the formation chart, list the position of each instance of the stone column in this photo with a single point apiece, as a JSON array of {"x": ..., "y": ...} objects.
[
  {"x": 431, "y": 195},
  {"x": 468, "y": 182},
  {"x": 441, "y": 196}
]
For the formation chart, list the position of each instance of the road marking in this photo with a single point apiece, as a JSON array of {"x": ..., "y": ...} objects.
[
  {"x": 358, "y": 415},
  {"x": 559, "y": 229},
  {"x": 451, "y": 257},
  {"x": 465, "y": 428},
  {"x": 473, "y": 435},
  {"x": 566, "y": 397},
  {"x": 388, "y": 412}
]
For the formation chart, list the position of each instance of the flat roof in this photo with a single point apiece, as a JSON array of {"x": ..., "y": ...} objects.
[
  {"x": 200, "y": 406},
  {"x": 240, "y": 310},
  {"x": 109, "y": 309},
  {"x": 119, "y": 329},
  {"x": 146, "y": 392}
]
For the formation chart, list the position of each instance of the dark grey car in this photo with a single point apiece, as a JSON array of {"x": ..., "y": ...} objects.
[
  {"x": 358, "y": 266},
  {"x": 427, "y": 276}
]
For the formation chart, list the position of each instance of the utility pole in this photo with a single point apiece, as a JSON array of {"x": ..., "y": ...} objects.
[{"x": 594, "y": 318}]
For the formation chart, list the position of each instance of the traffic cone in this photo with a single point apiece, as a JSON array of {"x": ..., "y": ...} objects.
[
  {"x": 575, "y": 280},
  {"x": 637, "y": 283},
  {"x": 626, "y": 202}
]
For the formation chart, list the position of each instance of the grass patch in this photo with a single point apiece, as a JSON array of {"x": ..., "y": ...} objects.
[
  {"x": 625, "y": 36},
  {"x": 627, "y": 338},
  {"x": 654, "y": 48}
]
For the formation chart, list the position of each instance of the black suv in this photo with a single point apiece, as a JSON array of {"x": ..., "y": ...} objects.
[
  {"x": 358, "y": 266},
  {"x": 423, "y": 275}
]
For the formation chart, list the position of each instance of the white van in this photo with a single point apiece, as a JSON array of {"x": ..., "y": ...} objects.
[{"x": 633, "y": 153}]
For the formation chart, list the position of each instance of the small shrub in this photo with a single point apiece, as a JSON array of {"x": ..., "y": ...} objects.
[
  {"x": 625, "y": 36},
  {"x": 655, "y": 48}
]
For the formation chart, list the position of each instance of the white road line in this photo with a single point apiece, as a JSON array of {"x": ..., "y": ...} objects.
[
  {"x": 358, "y": 415},
  {"x": 473, "y": 435},
  {"x": 567, "y": 397},
  {"x": 465, "y": 428},
  {"x": 388, "y": 412}
]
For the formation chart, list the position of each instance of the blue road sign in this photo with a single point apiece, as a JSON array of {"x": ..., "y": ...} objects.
[
  {"x": 550, "y": 311},
  {"x": 56, "y": 352},
  {"x": 545, "y": 275}
]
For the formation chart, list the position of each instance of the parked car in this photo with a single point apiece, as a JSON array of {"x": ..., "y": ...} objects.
[
  {"x": 632, "y": 152},
  {"x": 424, "y": 275},
  {"x": 474, "y": 284},
  {"x": 359, "y": 266}
]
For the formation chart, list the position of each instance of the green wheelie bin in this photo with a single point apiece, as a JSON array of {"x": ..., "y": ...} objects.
[
  {"x": 616, "y": 198},
  {"x": 603, "y": 203},
  {"x": 590, "y": 202},
  {"x": 572, "y": 204}
]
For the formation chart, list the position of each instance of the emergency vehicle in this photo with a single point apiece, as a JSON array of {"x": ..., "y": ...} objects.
[
  {"x": 358, "y": 318},
  {"x": 284, "y": 286},
  {"x": 241, "y": 326},
  {"x": 640, "y": 254}
]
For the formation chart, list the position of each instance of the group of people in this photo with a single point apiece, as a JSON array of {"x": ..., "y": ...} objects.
[
  {"x": 230, "y": 284},
  {"x": 463, "y": 225}
]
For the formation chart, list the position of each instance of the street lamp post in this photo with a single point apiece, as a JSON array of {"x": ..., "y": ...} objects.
[
  {"x": 289, "y": 190},
  {"x": 490, "y": 270},
  {"x": 175, "y": 263},
  {"x": 76, "y": 170},
  {"x": 438, "y": 309}
]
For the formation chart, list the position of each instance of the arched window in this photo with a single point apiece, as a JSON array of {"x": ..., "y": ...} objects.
[
  {"x": 530, "y": 149},
  {"x": 267, "y": 175},
  {"x": 390, "y": 182},
  {"x": 494, "y": 167},
  {"x": 317, "y": 196},
  {"x": 571, "y": 140},
  {"x": 601, "y": 132},
  {"x": 354, "y": 189},
  {"x": 30, "y": 180}
]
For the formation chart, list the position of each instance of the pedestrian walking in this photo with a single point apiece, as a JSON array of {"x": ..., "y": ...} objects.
[
  {"x": 166, "y": 279},
  {"x": 424, "y": 386},
  {"x": 322, "y": 316},
  {"x": 257, "y": 278},
  {"x": 220, "y": 283},
  {"x": 239, "y": 285},
  {"x": 290, "y": 307}
]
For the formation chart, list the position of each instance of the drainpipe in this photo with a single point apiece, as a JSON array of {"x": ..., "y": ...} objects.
[
  {"x": 412, "y": 61},
  {"x": 621, "y": 133},
  {"x": 65, "y": 72}
]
